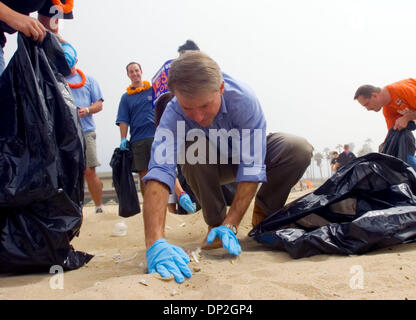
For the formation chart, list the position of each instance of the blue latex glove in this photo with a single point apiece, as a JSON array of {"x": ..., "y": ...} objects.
[
  {"x": 186, "y": 202},
  {"x": 123, "y": 144},
  {"x": 167, "y": 259},
  {"x": 228, "y": 238}
]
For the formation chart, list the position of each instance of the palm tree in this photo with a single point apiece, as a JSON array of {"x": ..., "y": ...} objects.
[
  {"x": 328, "y": 157},
  {"x": 339, "y": 147},
  {"x": 318, "y": 159}
]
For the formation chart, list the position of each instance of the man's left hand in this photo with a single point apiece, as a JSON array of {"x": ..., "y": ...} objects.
[
  {"x": 228, "y": 238},
  {"x": 401, "y": 123},
  {"x": 82, "y": 112}
]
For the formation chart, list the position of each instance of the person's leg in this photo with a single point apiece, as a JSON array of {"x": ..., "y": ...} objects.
[
  {"x": 287, "y": 159},
  {"x": 2, "y": 62},
  {"x": 95, "y": 186}
]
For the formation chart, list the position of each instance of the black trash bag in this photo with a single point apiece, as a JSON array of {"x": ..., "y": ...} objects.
[
  {"x": 42, "y": 161},
  {"x": 128, "y": 201},
  {"x": 400, "y": 143},
  {"x": 383, "y": 189}
]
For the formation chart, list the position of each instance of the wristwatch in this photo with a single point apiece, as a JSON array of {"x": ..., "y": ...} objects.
[{"x": 231, "y": 227}]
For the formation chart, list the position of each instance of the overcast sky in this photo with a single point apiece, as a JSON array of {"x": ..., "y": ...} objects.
[{"x": 304, "y": 59}]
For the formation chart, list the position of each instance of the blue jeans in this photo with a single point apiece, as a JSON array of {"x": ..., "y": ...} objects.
[
  {"x": 412, "y": 161},
  {"x": 2, "y": 63}
]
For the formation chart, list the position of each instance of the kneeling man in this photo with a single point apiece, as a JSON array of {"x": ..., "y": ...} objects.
[{"x": 215, "y": 129}]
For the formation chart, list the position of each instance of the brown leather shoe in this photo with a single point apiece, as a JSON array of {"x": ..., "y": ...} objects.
[
  {"x": 258, "y": 215},
  {"x": 216, "y": 244}
]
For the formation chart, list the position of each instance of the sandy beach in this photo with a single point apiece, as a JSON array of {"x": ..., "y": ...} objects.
[{"x": 118, "y": 269}]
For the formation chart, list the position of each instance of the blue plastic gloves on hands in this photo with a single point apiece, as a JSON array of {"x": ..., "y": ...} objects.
[
  {"x": 186, "y": 202},
  {"x": 228, "y": 238},
  {"x": 123, "y": 144},
  {"x": 167, "y": 259}
]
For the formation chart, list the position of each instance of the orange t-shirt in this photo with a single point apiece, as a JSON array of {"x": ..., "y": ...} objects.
[{"x": 403, "y": 99}]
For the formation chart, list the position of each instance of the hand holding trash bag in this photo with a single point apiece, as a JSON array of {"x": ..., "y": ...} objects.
[
  {"x": 123, "y": 144},
  {"x": 186, "y": 202},
  {"x": 167, "y": 259},
  {"x": 228, "y": 238}
]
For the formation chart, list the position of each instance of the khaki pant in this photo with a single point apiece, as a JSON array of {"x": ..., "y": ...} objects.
[{"x": 287, "y": 158}]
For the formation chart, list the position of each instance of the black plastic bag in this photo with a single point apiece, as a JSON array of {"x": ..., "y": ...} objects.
[
  {"x": 383, "y": 188},
  {"x": 42, "y": 161},
  {"x": 400, "y": 143},
  {"x": 128, "y": 201}
]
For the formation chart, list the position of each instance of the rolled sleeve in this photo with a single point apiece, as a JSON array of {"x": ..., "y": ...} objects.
[
  {"x": 123, "y": 115},
  {"x": 162, "y": 174}
]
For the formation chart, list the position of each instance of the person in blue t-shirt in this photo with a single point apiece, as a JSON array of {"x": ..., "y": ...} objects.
[
  {"x": 137, "y": 113},
  {"x": 89, "y": 100}
]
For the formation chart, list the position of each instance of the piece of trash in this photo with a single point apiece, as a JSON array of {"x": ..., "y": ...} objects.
[
  {"x": 197, "y": 269},
  {"x": 182, "y": 224},
  {"x": 159, "y": 277},
  {"x": 141, "y": 265},
  {"x": 143, "y": 282},
  {"x": 168, "y": 227},
  {"x": 232, "y": 261},
  {"x": 98, "y": 283},
  {"x": 195, "y": 256},
  {"x": 117, "y": 258},
  {"x": 120, "y": 229},
  {"x": 174, "y": 292}
]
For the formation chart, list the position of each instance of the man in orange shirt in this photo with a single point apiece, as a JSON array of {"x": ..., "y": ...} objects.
[{"x": 398, "y": 101}]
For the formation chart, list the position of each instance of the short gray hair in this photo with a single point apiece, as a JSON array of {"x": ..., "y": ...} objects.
[
  {"x": 366, "y": 91},
  {"x": 194, "y": 72}
]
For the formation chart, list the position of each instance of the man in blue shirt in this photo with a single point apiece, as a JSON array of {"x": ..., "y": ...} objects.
[
  {"x": 89, "y": 100},
  {"x": 211, "y": 107},
  {"x": 136, "y": 111}
]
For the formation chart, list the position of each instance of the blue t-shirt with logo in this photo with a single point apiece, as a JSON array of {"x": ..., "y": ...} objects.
[
  {"x": 85, "y": 97},
  {"x": 137, "y": 111}
]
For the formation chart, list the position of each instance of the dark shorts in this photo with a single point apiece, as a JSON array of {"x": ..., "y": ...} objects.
[{"x": 141, "y": 153}]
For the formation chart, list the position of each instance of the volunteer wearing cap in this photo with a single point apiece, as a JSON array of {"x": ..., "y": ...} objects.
[
  {"x": 14, "y": 16},
  {"x": 89, "y": 101}
]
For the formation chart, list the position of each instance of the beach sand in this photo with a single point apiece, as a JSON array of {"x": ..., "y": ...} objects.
[{"x": 258, "y": 273}]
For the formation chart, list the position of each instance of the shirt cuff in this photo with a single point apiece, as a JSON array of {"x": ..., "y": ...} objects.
[
  {"x": 252, "y": 173},
  {"x": 162, "y": 176}
]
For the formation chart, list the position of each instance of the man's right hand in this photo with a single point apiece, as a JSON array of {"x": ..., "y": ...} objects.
[
  {"x": 167, "y": 259},
  {"x": 123, "y": 144},
  {"x": 30, "y": 27}
]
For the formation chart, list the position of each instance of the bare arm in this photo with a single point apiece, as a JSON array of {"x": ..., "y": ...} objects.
[
  {"x": 401, "y": 123},
  {"x": 124, "y": 127},
  {"x": 178, "y": 188},
  {"x": 97, "y": 106},
  {"x": 154, "y": 211},
  {"x": 242, "y": 199},
  {"x": 30, "y": 27}
]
